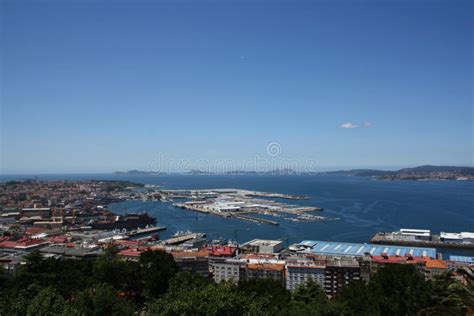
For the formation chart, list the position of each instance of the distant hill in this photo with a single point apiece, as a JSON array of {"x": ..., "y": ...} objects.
[
  {"x": 137, "y": 173},
  {"x": 428, "y": 168},
  {"x": 426, "y": 172},
  {"x": 359, "y": 172}
]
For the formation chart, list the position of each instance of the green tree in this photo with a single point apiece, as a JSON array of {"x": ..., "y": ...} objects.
[
  {"x": 15, "y": 301},
  {"x": 358, "y": 299},
  {"x": 187, "y": 281},
  {"x": 124, "y": 276},
  {"x": 48, "y": 302},
  {"x": 158, "y": 268},
  {"x": 450, "y": 297},
  {"x": 265, "y": 295},
  {"x": 103, "y": 300},
  {"x": 310, "y": 293},
  {"x": 213, "y": 299},
  {"x": 310, "y": 299},
  {"x": 399, "y": 289}
]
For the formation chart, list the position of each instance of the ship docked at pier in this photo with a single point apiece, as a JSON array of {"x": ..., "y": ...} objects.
[
  {"x": 127, "y": 221},
  {"x": 424, "y": 238}
]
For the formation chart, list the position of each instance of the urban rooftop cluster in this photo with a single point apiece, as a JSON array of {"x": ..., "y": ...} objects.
[{"x": 69, "y": 220}]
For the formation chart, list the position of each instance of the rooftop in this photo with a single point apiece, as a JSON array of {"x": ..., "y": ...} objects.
[
  {"x": 132, "y": 252},
  {"x": 222, "y": 251},
  {"x": 462, "y": 259},
  {"x": 266, "y": 266},
  {"x": 352, "y": 249},
  {"x": 435, "y": 264},
  {"x": 263, "y": 242},
  {"x": 190, "y": 254}
]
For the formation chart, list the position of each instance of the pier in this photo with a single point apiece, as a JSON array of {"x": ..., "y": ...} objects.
[
  {"x": 180, "y": 239},
  {"x": 435, "y": 242},
  {"x": 255, "y": 219},
  {"x": 144, "y": 231}
]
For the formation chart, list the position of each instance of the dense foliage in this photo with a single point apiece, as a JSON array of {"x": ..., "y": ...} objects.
[{"x": 153, "y": 286}]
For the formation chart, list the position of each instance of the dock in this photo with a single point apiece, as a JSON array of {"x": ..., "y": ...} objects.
[
  {"x": 144, "y": 231},
  {"x": 255, "y": 219},
  {"x": 435, "y": 242},
  {"x": 180, "y": 239},
  {"x": 234, "y": 203}
]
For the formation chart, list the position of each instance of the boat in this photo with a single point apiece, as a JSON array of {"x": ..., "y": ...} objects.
[{"x": 127, "y": 221}]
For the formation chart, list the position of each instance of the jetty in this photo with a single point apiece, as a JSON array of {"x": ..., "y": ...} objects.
[
  {"x": 255, "y": 219},
  {"x": 180, "y": 239},
  {"x": 144, "y": 231}
]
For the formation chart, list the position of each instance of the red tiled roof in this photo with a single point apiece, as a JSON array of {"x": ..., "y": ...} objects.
[
  {"x": 435, "y": 264},
  {"x": 132, "y": 252},
  {"x": 223, "y": 251},
  {"x": 184, "y": 254},
  {"x": 61, "y": 239},
  {"x": 21, "y": 243},
  {"x": 266, "y": 266},
  {"x": 397, "y": 259},
  {"x": 35, "y": 230},
  {"x": 129, "y": 243}
]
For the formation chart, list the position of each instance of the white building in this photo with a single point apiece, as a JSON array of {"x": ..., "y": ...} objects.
[
  {"x": 231, "y": 270},
  {"x": 467, "y": 237},
  {"x": 463, "y": 237},
  {"x": 416, "y": 234},
  {"x": 450, "y": 237},
  {"x": 302, "y": 271},
  {"x": 263, "y": 246}
]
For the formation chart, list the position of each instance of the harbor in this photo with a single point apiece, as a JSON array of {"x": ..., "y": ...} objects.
[{"x": 237, "y": 203}]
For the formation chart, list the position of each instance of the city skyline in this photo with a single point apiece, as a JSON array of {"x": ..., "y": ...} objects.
[{"x": 102, "y": 86}]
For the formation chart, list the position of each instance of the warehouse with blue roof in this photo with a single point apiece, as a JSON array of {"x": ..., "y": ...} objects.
[
  {"x": 356, "y": 250},
  {"x": 463, "y": 259}
]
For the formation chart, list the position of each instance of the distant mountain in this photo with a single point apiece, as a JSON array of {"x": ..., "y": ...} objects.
[
  {"x": 282, "y": 172},
  {"x": 137, "y": 173},
  {"x": 279, "y": 172},
  {"x": 359, "y": 172},
  {"x": 428, "y": 168},
  {"x": 240, "y": 172},
  {"x": 426, "y": 172}
]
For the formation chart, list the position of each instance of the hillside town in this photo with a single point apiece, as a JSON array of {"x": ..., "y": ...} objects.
[{"x": 69, "y": 220}]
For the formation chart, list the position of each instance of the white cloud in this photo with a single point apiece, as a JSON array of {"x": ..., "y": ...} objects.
[
  {"x": 348, "y": 125},
  {"x": 367, "y": 124}
]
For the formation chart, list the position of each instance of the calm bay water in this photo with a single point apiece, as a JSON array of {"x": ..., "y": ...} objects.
[{"x": 364, "y": 206}]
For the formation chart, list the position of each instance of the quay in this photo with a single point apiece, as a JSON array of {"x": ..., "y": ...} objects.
[
  {"x": 424, "y": 238},
  {"x": 183, "y": 194},
  {"x": 180, "y": 239},
  {"x": 236, "y": 202},
  {"x": 144, "y": 231},
  {"x": 380, "y": 239},
  {"x": 256, "y": 220}
]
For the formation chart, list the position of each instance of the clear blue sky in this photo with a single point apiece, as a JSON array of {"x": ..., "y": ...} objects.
[{"x": 91, "y": 86}]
